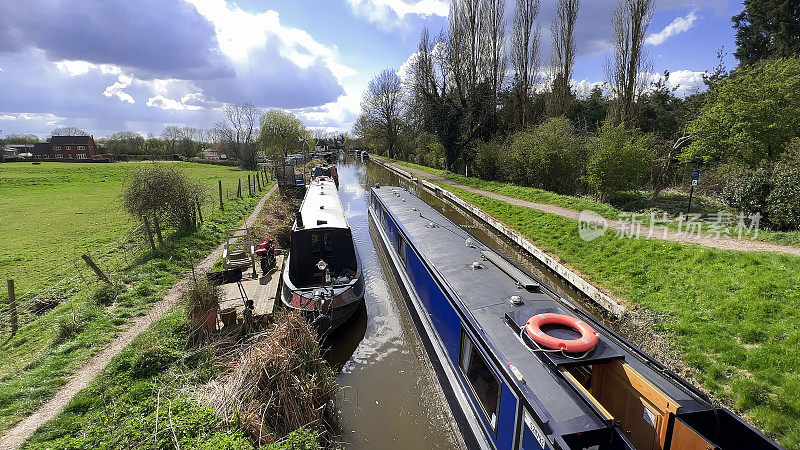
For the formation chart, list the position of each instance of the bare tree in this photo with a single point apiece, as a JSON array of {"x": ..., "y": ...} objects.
[
  {"x": 525, "y": 54},
  {"x": 626, "y": 70},
  {"x": 239, "y": 132},
  {"x": 68, "y": 131},
  {"x": 563, "y": 56},
  {"x": 495, "y": 31},
  {"x": 383, "y": 107},
  {"x": 171, "y": 134}
]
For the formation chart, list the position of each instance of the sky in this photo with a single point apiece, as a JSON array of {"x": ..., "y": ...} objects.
[{"x": 140, "y": 65}]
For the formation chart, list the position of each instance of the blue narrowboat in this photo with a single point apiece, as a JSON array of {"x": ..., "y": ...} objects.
[{"x": 524, "y": 368}]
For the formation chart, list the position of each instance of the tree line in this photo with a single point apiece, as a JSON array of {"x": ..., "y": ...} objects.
[{"x": 478, "y": 99}]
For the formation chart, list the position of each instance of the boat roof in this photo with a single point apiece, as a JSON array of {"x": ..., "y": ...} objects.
[
  {"x": 321, "y": 207},
  {"x": 484, "y": 294}
]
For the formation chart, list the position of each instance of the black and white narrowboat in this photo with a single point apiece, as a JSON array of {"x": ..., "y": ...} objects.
[
  {"x": 322, "y": 275},
  {"x": 523, "y": 367}
]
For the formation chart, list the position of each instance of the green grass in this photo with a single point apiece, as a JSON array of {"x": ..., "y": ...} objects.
[
  {"x": 45, "y": 351},
  {"x": 52, "y": 213},
  {"x": 147, "y": 388},
  {"x": 735, "y": 316},
  {"x": 673, "y": 203}
]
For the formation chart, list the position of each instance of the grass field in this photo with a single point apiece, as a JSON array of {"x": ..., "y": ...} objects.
[
  {"x": 52, "y": 213},
  {"x": 673, "y": 203},
  {"x": 734, "y": 316},
  {"x": 143, "y": 400},
  {"x": 49, "y": 347}
]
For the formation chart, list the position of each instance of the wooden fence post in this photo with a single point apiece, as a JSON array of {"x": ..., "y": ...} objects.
[
  {"x": 199, "y": 209},
  {"x": 12, "y": 307},
  {"x": 258, "y": 181},
  {"x": 249, "y": 186},
  {"x": 149, "y": 232},
  {"x": 239, "y": 190},
  {"x": 157, "y": 226},
  {"x": 220, "y": 196},
  {"x": 88, "y": 258}
]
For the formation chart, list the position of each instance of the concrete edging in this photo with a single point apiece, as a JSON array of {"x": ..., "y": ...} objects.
[{"x": 598, "y": 297}]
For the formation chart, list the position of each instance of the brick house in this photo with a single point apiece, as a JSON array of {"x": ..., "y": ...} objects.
[{"x": 72, "y": 147}]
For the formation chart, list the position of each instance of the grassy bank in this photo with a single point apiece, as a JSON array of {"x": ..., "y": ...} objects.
[
  {"x": 45, "y": 351},
  {"x": 52, "y": 213},
  {"x": 144, "y": 399},
  {"x": 734, "y": 316},
  {"x": 673, "y": 203}
]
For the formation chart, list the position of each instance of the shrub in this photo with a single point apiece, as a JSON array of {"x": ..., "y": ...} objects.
[
  {"x": 771, "y": 190},
  {"x": 551, "y": 156},
  {"x": 783, "y": 202},
  {"x": 164, "y": 192},
  {"x": 619, "y": 160},
  {"x": 747, "y": 190},
  {"x": 491, "y": 161},
  {"x": 202, "y": 296}
]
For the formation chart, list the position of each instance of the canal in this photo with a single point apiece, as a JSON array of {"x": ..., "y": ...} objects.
[{"x": 389, "y": 396}]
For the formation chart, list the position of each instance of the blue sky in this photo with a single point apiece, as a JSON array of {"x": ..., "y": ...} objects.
[{"x": 139, "y": 65}]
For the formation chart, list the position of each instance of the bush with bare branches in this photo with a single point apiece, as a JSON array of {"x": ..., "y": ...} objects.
[{"x": 162, "y": 192}]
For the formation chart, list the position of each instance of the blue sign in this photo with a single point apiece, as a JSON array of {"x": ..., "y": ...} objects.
[{"x": 696, "y": 174}]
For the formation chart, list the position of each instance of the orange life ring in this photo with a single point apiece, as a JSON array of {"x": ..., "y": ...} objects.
[{"x": 586, "y": 342}]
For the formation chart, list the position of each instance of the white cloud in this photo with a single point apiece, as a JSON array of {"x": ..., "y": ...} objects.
[
  {"x": 74, "y": 68},
  {"x": 240, "y": 32},
  {"x": 159, "y": 101},
  {"x": 390, "y": 14},
  {"x": 117, "y": 89},
  {"x": 7, "y": 117},
  {"x": 677, "y": 26},
  {"x": 686, "y": 82}
]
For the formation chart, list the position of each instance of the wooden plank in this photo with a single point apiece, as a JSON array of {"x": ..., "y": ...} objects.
[
  {"x": 586, "y": 393},
  {"x": 685, "y": 437}
]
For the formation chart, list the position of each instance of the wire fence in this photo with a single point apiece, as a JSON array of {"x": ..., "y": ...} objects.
[{"x": 74, "y": 275}]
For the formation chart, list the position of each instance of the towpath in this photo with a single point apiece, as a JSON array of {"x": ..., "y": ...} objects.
[
  {"x": 706, "y": 240},
  {"x": 16, "y": 435}
]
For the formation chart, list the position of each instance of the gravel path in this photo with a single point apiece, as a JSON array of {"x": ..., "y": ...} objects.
[
  {"x": 706, "y": 240},
  {"x": 16, "y": 435}
]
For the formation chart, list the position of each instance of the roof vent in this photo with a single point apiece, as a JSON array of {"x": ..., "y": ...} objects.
[
  {"x": 476, "y": 265},
  {"x": 321, "y": 206},
  {"x": 321, "y": 222}
]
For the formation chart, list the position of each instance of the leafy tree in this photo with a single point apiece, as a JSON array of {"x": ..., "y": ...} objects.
[
  {"x": 281, "y": 133},
  {"x": 551, "y": 156},
  {"x": 767, "y": 29},
  {"x": 619, "y": 160},
  {"x": 750, "y": 116},
  {"x": 589, "y": 113}
]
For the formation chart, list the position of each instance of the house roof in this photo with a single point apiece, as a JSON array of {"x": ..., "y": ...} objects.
[
  {"x": 41, "y": 148},
  {"x": 71, "y": 140}
]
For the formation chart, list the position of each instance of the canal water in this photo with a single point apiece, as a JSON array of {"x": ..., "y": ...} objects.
[{"x": 389, "y": 395}]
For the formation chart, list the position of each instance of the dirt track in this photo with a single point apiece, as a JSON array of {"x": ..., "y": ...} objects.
[
  {"x": 725, "y": 243},
  {"x": 16, "y": 435}
]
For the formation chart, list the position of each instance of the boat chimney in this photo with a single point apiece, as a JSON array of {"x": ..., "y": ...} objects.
[{"x": 299, "y": 218}]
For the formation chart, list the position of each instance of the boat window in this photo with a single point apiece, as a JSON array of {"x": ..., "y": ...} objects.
[
  {"x": 316, "y": 245},
  {"x": 402, "y": 250},
  {"x": 328, "y": 243},
  {"x": 483, "y": 382}
]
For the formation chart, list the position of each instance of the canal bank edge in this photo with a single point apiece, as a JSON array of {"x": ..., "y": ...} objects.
[{"x": 604, "y": 301}]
